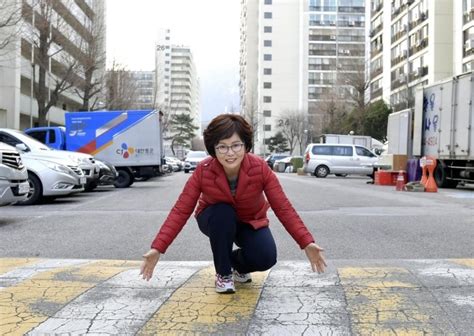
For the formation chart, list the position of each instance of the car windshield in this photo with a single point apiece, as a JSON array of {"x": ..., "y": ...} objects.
[
  {"x": 32, "y": 143},
  {"x": 196, "y": 154}
]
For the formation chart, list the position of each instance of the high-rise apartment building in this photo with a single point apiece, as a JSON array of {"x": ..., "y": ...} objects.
[
  {"x": 294, "y": 57},
  {"x": 73, "y": 32},
  {"x": 177, "y": 84},
  {"x": 416, "y": 42},
  {"x": 145, "y": 82}
]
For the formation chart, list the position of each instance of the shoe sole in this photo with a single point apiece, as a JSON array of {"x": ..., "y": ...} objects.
[
  {"x": 247, "y": 281},
  {"x": 227, "y": 291}
]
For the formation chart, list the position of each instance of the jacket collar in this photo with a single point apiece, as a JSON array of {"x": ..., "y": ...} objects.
[{"x": 220, "y": 178}]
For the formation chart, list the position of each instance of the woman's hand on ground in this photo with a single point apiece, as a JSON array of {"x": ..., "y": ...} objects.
[
  {"x": 150, "y": 260},
  {"x": 315, "y": 257}
]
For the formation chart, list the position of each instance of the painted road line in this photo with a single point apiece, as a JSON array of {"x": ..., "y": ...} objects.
[
  {"x": 120, "y": 305},
  {"x": 296, "y": 301},
  {"x": 27, "y": 304},
  {"x": 33, "y": 267},
  {"x": 197, "y": 308},
  {"x": 391, "y": 301}
]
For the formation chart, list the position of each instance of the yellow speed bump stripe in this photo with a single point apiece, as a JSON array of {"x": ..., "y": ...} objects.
[
  {"x": 197, "y": 308},
  {"x": 464, "y": 262},
  {"x": 9, "y": 264},
  {"x": 378, "y": 304},
  {"x": 30, "y": 302}
]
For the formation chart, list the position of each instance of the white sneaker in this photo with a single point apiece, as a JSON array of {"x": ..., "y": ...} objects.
[
  {"x": 242, "y": 277},
  {"x": 225, "y": 284}
]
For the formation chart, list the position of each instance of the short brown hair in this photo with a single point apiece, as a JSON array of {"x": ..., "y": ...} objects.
[{"x": 224, "y": 126}]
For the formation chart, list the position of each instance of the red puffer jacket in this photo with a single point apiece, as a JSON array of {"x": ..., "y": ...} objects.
[{"x": 209, "y": 185}]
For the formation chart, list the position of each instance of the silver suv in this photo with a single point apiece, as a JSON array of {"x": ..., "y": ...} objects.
[
  {"x": 14, "y": 185},
  {"x": 341, "y": 160}
]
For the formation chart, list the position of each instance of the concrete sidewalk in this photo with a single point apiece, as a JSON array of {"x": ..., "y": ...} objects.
[{"x": 384, "y": 297}]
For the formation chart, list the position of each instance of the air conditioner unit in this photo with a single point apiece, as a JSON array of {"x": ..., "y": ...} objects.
[
  {"x": 420, "y": 71},
  {"x": 332, "y": 37},
  {"x": 423, "y": 16}
]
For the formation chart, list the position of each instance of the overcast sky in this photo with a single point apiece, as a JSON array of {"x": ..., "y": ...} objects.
[{"x": 209, "y": 27}]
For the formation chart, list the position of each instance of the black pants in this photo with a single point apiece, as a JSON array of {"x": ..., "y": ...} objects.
[{"x": 257, "y": 249}]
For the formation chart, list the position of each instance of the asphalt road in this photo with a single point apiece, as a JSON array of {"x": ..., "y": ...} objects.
[{"x": 349, "y": 218}]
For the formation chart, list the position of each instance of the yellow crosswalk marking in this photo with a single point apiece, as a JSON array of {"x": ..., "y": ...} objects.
[
  {"x": 20, "y": 304},
  {"x": 9, "y": 264},
  {"x": 464, "y": 262},
  {"x": 197, "y": 308},
  {"x": 375, "y": 304}
]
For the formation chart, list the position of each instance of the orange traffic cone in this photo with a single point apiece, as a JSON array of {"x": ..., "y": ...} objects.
[
  {"x": 424, "y": 170},
  {"x": 430, "y": 185},
  {"x": 400, "y": 181}
]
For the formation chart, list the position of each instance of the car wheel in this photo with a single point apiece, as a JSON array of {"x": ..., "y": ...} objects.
[
  {"x": 36, "y": 190},
  {"x": 321, "y": 171},
  {"x": 124, "y": 179},
  {"x": 341, "y": 175}
]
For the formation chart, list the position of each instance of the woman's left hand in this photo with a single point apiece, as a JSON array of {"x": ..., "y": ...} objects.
[{"x": 315, "y": 257}]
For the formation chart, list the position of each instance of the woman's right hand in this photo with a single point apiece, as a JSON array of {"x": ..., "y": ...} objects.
[{"x": 150, "y": 260}]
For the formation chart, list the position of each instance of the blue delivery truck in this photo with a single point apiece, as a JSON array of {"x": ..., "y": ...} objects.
[{"x": 130, "y": 140}]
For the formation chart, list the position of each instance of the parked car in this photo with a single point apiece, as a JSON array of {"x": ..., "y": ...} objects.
[
  {"x": 85, "y": 161},
  {"x": 51, "y": 177},
  {"x": 274, "y": 157},
  {"x": 192, "y": 160},
  {"x": 14, "y": 185},
  {"x": 175, "y": 163},
  {"x": 107, "y": 174},
  {"x": 282, "y": 164},
  {"x": 324, "y": 159}
]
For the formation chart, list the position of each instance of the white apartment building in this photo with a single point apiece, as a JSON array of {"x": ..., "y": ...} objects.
[
  {"x": 416, "y": 42},
  {"x": 71, "y": 22},
  {"x": 145, "y": 81},
  {"x": 177, "y": 84},
  {"x": 292, "y": 53}
]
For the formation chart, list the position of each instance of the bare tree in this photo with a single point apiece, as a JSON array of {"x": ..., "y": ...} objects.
[
  {"x": 56, "y": 65},
  {"x": 250, "y": 112},
  {"x": 91, "y": 65},
  {"x": 10, "y": 21},
  {"x": 121, "y": 88},
  {"x": 292, "y": 127}
]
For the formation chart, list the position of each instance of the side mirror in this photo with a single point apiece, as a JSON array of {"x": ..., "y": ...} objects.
[{"x": 22, "y": 147}]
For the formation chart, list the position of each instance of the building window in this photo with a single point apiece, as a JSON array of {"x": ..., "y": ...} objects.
[
  {"x": 267, "y": 43},
  {"x": 267, "y": 85},
  {"x": 268, "y": 2},
  {"x": 267, "y": 15},
  {"x": 267, "y": 99},
  {"x": 167, "y": 38},
  {"x": 267, "y": 113},
  {"x": 267, "y": 29},
  {"x": 267, "y": 57},
  {"x": 267, "y": 71},
  {"x": 167, "y": 62},
  {"x": 167, "y": 54},
  {"x": 268, "y": 127}
]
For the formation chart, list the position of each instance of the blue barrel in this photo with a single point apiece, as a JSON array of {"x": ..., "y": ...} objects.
[{"x": 413, "y": 170}]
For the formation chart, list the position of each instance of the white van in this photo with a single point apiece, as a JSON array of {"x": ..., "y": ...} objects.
[{"x": 341, "y": 160}]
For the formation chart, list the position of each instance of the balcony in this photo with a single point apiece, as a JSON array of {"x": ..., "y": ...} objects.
[
  {"x": 399, "y": 82},
  {"x": 377, "y": 9},
  {"x": 398, "y": 10},
  {"x": 399, "y": 58},
  {"x": 376, "y": 30},
  {"x": 420, "y": 45},
  {"x": 418, "y": 73},
  {"x": 423, "y": 17},
  {"x": 468, "y": 17},
  {"x": 376, "y": 93},
  {"x": 378, "y": 50},
  {"x": 401, "y": 33},
  {"x": 376, "y": 72}
]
